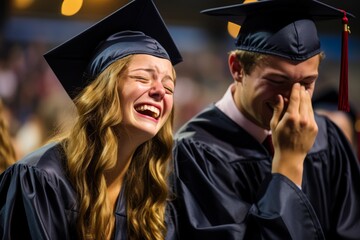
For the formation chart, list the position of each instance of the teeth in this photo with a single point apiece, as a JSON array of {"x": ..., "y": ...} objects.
[{"x": 154, "y": 111}]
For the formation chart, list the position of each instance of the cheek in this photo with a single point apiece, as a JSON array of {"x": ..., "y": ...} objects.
[
  {"x": 131, "y": 93},
  {"x": 124, "y": 100},
  {"x": 169, "y": 103},
  {"x": 311, "y": 90},
  {"x": 264, "y": 91}
]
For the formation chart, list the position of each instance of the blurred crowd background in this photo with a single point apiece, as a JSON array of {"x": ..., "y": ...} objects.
[{"x": 35, "y": 103}]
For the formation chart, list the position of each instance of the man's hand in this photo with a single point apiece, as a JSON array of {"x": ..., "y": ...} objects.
[{"x": 293, "y": 133}]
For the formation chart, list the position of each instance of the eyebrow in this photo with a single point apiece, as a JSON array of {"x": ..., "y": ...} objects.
[{"x": 285, "y": 77}]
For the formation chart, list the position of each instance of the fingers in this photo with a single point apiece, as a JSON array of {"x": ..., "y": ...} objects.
[
  {"x": 278, "y": 109},
  {"x": 307, "y": 117},
  {"x": 294, "y": 133},
  {"x": 305, "y": 109},
  {"x": 299, "y": 112},
  {"x": 295, "y": 99},
  {"x": 307, "y": 114}
]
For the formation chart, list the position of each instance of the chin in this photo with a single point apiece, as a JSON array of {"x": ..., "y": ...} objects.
[{"x": 148, "y": 132}]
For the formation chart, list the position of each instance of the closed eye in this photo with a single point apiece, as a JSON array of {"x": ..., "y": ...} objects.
[
  {"x": 140, "y": 78},
  {"x": 307, "y": 83},
  {"x": 273, "y": 81},
  {"x": 169, "y": 90}
]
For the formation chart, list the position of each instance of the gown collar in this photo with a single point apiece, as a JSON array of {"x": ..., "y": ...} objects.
[
  {"x": 227, "y": 105},
  {"x": 120, "y": 209}
]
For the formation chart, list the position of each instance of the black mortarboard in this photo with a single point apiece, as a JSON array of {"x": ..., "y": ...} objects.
[
  {"x": 284, "y": 28},
  {"x": 136, "y": 28}
]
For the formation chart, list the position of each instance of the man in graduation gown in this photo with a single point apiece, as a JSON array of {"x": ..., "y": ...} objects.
[{"x": 227, "y": 183}]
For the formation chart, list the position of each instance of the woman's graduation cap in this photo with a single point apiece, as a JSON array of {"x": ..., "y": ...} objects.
[
  {"x": 136, "y": 28},
  {"x": 285, "y": 28}
]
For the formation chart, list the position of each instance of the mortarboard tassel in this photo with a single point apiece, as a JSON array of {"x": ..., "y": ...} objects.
[{"x": 343, "y": 103}]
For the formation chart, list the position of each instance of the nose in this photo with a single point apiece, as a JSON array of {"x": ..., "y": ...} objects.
[{"x": 157, "y": 91}]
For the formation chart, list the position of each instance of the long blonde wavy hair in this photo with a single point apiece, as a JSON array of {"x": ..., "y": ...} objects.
[
  {"x": 7, "y": 152},
  {"x": 91, "y": 148}
]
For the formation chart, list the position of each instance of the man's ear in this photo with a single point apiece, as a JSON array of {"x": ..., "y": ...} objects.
[{"x": 235, "y": 68}]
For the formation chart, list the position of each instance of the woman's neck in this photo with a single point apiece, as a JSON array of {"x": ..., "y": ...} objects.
[{"x": 115, "y": 176}]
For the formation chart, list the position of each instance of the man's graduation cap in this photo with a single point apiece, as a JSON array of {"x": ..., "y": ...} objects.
[
  {"x": 136, "y": 28},
  {"x": 285, "y": 28}
]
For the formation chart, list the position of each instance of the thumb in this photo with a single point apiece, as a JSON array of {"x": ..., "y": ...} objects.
[{"x": 278, "y": 109}]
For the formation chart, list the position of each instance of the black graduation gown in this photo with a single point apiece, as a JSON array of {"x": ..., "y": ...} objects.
[
  {"x": 37, "y": 200},
  {"x": 225, "y": 189}
]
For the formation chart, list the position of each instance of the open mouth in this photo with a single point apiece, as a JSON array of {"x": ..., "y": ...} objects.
[{"x": 148, "y": 110}]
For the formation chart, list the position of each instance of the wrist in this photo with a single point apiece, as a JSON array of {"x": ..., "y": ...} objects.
[{"x": 290, "y": 166}]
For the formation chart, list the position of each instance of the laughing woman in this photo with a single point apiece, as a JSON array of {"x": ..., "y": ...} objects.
[{"x": 107, "y": 178}]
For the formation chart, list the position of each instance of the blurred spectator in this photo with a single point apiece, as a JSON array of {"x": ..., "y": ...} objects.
[
  {"x": 34, "y": 97},
  {"x": 7, "y": 152},
  {"x": 10, "y": 55},
  {"x": 326, "y": 103},
  {"x": 197, "y": 84}
]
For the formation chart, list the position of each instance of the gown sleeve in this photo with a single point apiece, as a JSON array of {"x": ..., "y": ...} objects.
[
  {"x": 208, "y": 209},
  {"x": 31, "y": 205},
  {"x": 171, "y": 222},
  {"x": 342, "y": 202}
]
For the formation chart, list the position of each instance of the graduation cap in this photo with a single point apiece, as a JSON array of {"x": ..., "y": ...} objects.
[
  {"x": 136, "y": 28},
  {"x": 286, "y": 28}
]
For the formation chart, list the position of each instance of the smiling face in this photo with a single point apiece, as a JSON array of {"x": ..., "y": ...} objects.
[
  {"x": 146, "y": 95},
  {"x": 256, "y": 92}
]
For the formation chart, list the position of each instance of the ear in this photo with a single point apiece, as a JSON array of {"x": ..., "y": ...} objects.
[{"x": 235, "y": 68}]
